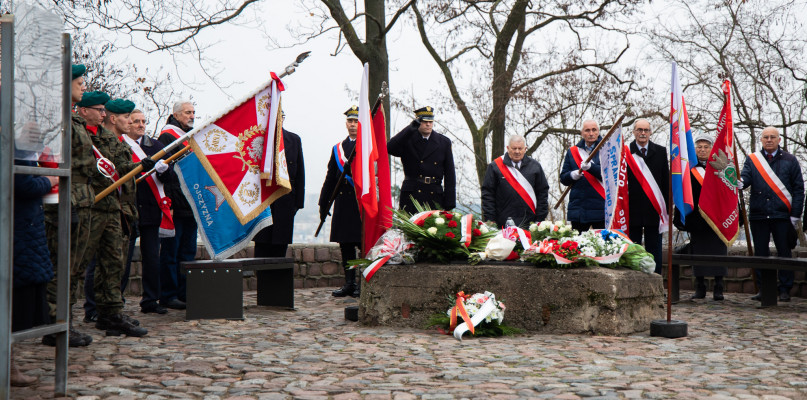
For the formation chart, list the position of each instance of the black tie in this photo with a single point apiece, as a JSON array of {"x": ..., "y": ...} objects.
[
  {"x": 518, "y": 166},
  {"x": 644, "y": 151}
]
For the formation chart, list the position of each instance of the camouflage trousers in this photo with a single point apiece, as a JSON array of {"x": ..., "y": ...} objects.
[
  {"x": 79, "y": 241},
  {"x": 106, "y": 247}
]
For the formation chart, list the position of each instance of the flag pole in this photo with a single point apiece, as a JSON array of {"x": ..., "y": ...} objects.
[
  {"x": 591, "y": 156},
  {"x": 160, "y": 154}
]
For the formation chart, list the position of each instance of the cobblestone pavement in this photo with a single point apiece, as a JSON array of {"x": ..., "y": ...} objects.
[{"x": 734, "y": 351}]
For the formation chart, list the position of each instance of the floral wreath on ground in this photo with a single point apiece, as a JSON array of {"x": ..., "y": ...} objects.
[{"x": 480, "y": 314}]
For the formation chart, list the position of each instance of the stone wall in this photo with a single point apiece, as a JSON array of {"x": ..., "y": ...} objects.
[
  {"x": 315, "y": 266},
  {"x": 318, "y": 265}
]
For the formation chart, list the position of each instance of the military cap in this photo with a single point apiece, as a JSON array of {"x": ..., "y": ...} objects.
[
  {"x": 78, "y": 70},
  {"x": 90, "y": 99},
  {"x": 424, "y": 114},
  {"x": 699, "y": 135},
  {"x": 352, "y": 112},
  {"x": 119, "y": 106}
]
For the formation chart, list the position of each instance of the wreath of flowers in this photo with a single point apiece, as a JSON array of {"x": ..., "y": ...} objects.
[{"x": 465, "y": 307}]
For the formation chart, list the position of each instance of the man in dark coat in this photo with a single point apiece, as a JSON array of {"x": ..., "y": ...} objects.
[
  {"x": 274, "y": 240},
  {"x": 428, "y": 164},
  {"x": 773, "y": 212},
  {"x": 150, "y": 195},
  {"x": 515, "y": 187},
  {"x": 181, "y": 247},
  {"x": 587, "y": 196},
  {"x": 702, "y": 238},
  {"x": 644, "y": 220},
  {"x": 346, "y": 222}
]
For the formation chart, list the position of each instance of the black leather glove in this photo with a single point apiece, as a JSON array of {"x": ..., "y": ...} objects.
[
  {"x": 323, "y": 213},
  {"x": 147, "y": 164}
]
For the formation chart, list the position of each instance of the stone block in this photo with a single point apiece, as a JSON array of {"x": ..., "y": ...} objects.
[
  {"x": 314, "y": 270},
  {"x": 337, "y": 282},
  {"x": 686, "y": 284},
  {"x": 135, "y": 269},
  {"x": 303, "y": 270},
  {"x": 298, "y": 254},
  {"x": 599, "y": 301},
  {"x": 289, "y": 252},
  {"x": 296, "y": 269},
  {"x": 310, "y": 283},
  {"x": 331, "y": 268},
  {"x": 323, "y": 283},
  {"x": 323, "y": 253},
  {"x": 336, "y": 254},
  {"x": 299, "y": 283},
  {"x": 742, "y": 272},
  {"x": 251, "y": 283},
  {"x": 686, "y": 271},
  {"x": 135, "y": 287},
  {"x": 136, "y": 256},
  {"x": 748, "y": 286},
  {"x": 798, "y": 276},
  {"x": 308, "y": 255}
]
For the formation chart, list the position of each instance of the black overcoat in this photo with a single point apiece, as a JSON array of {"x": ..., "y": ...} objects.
[
  {"x": 346, "y": 221},
  {"x": 500, "y": 200},
  {"x": 285, "y": 208},
  {"x": 432, "y": 161},
  {"x": 642, "y": 212}
]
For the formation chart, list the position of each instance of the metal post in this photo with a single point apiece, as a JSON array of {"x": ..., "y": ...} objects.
[{"x": 6, "y": 197}]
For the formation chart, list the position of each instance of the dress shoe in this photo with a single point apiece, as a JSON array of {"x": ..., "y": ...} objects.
[
  {"x": 757, "y": 296},
  {"x": 176, "y": 304},
  {"x": 153, "y": 308},
  {"x": 344, "y": 291},
  {"x": 118, "y": 324},
  {"x": 784, "y": 296}
]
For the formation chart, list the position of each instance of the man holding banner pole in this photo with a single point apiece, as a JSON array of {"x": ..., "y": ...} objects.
[
  {"x": 776, "y": 202},
  {"x": 586, "y": 207},
  {"x": 648, "y": 202}
]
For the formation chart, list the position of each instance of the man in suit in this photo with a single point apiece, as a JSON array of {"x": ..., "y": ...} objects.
[
  {"x": 515, "y": 187},
  {"x": 587, "y": 196},
  {"x": 346, "y": 222},
  {"x": 644, "y": 218},
  {"x": 274, "y": 240},
  {"x": 428, "y": 164}
]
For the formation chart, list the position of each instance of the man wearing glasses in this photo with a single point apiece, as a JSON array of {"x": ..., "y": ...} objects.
[{"x": 648, "y": 192}]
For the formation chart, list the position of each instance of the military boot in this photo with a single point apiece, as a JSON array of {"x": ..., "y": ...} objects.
[
  {"x": 718, "y": 290},
  {"x": 118, "y": 324},
  {"x": 350, "y": 284},
  {"x": 700, "y": 288}
]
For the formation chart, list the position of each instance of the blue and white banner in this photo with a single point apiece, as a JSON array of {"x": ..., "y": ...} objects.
[
  {"x": 223, "y": 235},
  {"x": 610, "y": 160}
]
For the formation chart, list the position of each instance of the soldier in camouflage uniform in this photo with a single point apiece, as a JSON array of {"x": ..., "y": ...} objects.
[
  {"x": 106, "y": 238},
  {"x": 81, "y": 199},
  {"x": 116, "y": 122}
]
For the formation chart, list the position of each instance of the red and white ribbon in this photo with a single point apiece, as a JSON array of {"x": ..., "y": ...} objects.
[
  {"x": 466, "y": 228},
  {"x": 167, "y": 222},
  {"x": 420, "y": 217},
  {"x": 487, "y": 308}
]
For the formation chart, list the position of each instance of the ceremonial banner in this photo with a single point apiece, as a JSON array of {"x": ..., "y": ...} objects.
[
  {"x": 614, "y": 169},
  {"x": 237, "y": 168},
  {"x": 236, "y": 149},
  {"x": 720, "y": 195},
  {"x": 371, "y": 162},
  {"x": 682, "y": 149}
]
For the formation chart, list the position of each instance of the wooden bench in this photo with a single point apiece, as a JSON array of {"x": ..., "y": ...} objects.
[
  {"x": 215, "y": 288},
  {"x": 766, "y": 265}
]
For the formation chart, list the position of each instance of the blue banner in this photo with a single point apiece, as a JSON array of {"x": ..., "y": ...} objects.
[{"x": 223, "y": 235}]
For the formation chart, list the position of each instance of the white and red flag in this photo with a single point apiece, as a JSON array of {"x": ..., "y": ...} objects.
[
  {"x": 682, "y": 149},
  {"x": 370, "y": 169},
  {"x": 720, "y": 195}
]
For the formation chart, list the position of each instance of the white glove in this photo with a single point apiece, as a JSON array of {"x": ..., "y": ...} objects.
[
  {"x": 585, "y": 166},
  {"x": 576, "y": 175},
  {"x": 794, "y": 221},
  {"x": 161, "y": 166}
]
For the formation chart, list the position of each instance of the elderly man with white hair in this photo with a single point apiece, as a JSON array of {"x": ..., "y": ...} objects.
[
  {"x": 181, "y": 247},
  {"x": 587, "y": 196},
  {"x": 515, "y": 187}
]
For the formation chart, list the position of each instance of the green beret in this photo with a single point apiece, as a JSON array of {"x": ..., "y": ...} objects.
[
  {"x": 78, "y": 70},
  {"x": 119, "y": 106},
  {"x": 424, "y": 114},
  {"x": 90, "y": 99},
  {"x": 352, "y": 112}
]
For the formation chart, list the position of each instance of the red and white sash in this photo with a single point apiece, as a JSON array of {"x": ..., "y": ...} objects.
[
  {"x": 105, "y": 166},
  {"x": 698, "y": 172},
  {"x": 594, "y": 182},
  {"x": 771, "y": 179},
  {"x": 174, "y": 131},
  {"x": 518, "y": 182},
  {"x": 167, "y": 222},
  {"x": 650, "y": 187}
]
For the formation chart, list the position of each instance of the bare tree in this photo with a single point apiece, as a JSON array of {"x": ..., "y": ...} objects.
[
  {"x": 521, "y": 50},
  {"x": 761, "y": 48}
]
